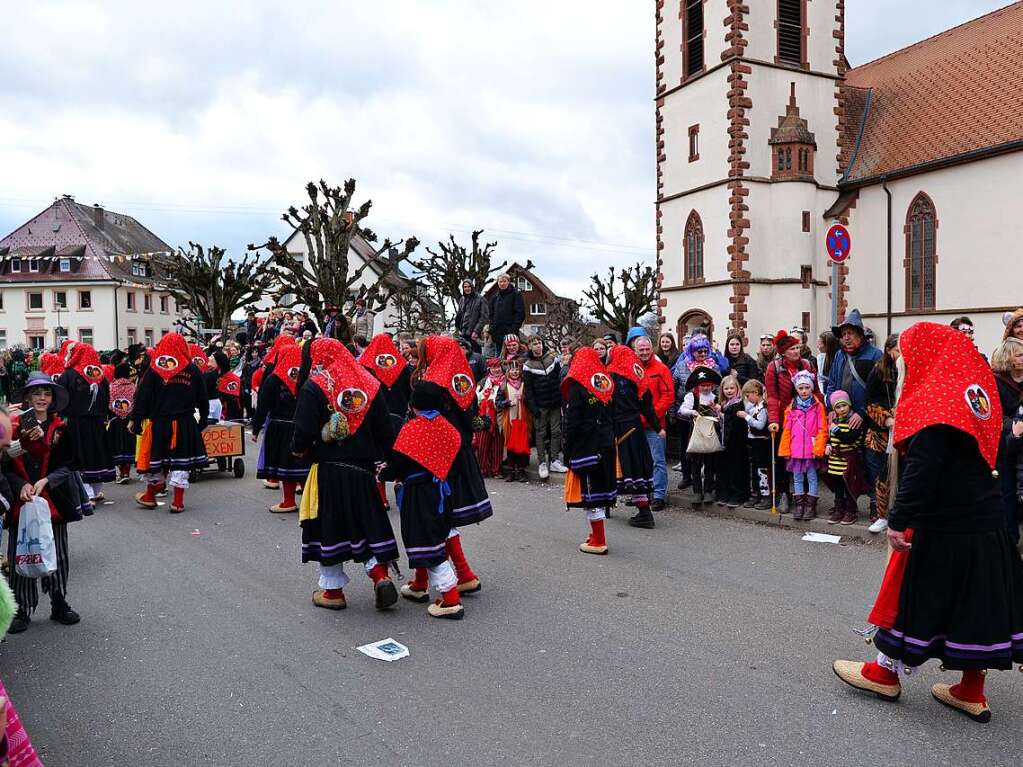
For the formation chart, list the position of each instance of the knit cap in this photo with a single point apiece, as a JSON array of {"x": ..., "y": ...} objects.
[
  {"x": 803, "y": 377},
  {"x": 839, "y": 396}
]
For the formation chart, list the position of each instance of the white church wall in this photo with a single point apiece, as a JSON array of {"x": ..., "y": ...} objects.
[
  {"x": 763, "y": 33},
  {"x": 702, "y": 102},
  {"x": 671, "y": 34},
  {"x": 712, "y": 206},
  {"x": 714, "y": 301},
  {"x": 714, "y": 41}
]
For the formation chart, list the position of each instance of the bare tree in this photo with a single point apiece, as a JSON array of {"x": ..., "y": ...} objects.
[
  {"x": 328, "y": 225},
  {"x": 565, "y": 320},
  {"x": 415, "y": 313},
  {"x": 446, "y": 268},
  {"x": 621, "y": 299},
  {"x": 209, "y": 286}
]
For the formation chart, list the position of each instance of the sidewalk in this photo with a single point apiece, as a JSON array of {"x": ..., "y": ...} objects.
[{"x": 681, "y": 501}]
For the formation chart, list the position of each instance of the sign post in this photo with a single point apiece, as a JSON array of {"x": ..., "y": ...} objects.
[{"x": 839, "y": 244}]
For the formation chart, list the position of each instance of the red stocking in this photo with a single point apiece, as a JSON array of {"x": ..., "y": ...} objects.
[
  {"x": 457, "y": 556},
  {"x": 879, "y": 674},
  {"x": 289, "y": 493},
  {"x": 378, "y": 572},
  {"x": 970, "y": 688},
  {"x": 597, "y": 533}
]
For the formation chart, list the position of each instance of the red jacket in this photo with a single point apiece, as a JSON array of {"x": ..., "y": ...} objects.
[
  {"x": 657, "y": 379},
  {"x": 780, "y": 391}
]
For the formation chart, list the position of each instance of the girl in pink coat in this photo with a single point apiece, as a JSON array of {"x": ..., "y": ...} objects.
[{"x": 803, "y": 440}]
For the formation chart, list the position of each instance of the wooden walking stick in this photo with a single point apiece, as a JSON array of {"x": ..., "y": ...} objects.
[{"x": 774, "y": 485}]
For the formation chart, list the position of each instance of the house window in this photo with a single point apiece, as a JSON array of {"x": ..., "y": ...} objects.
[
  {"x": 523, "y": 285},
  {"x": 692, "y": 35},
  {"x": 806, "y": 221},
  {"x": 1, "y": 301},
  {"x": 806, "y": 279},
  {"x": 163, "y": 304},
  {"x": 148, "y": 337},
  {"x": 921, "y": 253},
  {"x": 65, "y": 265},
  {"x": 35, "y": 300},
  {"x": 15, "y": 264},
  {"x": 132, "y": 336},
  {"x": 37, "y": 342},
  {"x": 33, "y": 264},
  {"x": 694, "y": 143},
  {"x": 84, "y": 299},
  {"x": 693, "y": 247},
  {"x": 147, "y": 302},
  {"x": 139, "y": 269},
  {"x": 538, "y": 308},
  {"x": 791, "y": 32},
  {"x": 85, "y": 335},
  {"x": 60, "y": 299},
  {"x": 3, "y": 338},
  {"x": 130, "y": 298}
]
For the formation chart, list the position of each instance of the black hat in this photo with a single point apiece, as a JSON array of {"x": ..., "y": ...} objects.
[{"x": 701, "y": 375}]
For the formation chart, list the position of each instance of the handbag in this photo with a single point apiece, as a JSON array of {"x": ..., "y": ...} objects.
[
  {"x": 36, "y": 553},
  {"x": 704, "y": 439}
]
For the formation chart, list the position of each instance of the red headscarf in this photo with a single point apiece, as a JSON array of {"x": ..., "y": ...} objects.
[
  {"x": 288, "y": 362},
  {"x": 108, "y": 372},
  {"x": 433, "y": 443},
  {"x": 230, "y": 385},
  {"x": 199, "y": 356},
  {"x": 947, "y": 382},
  {"x": 383, "y": 359},
  {"x": 170, "y": 357},
  {"x": 625, "y": 363},
  {"x": 448, "y": 368},
  {"x": 279, "y": 343},
  {"x": 51, "y": 364},
  {"x": 85, "y": 361},
  {"x": 323, "y": 352},
  {"x": 588, "y": 370},
  {"x": 349, "y": 388}
]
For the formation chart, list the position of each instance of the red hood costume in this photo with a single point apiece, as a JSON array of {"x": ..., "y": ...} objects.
[
  {"x": 288, "y": 362},
  {"x": 625, "y": 363},
  {"x": 279, "y": 343},
  {"x": 51, "y": 364},
  {"x": 122, "y": 397},
  {"x": 230, "y": 385},
  {"x": 199, "y": 357},
  {"x": 170, "y": 357},
  {"x": 587, "y": 370},
  {"x": 431, "y": 442},
  {"x": 108, "y": 373},
  {"x": 383, "y": 359},
  {"x": 85, "y": 361},
  {"x": 349, "y": 388},
  {"x": 448, "y": 368},
  {"x": 323, "y": 352}
]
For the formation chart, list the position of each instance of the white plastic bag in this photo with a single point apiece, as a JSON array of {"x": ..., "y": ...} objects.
[{"x": 36, "y": 554}]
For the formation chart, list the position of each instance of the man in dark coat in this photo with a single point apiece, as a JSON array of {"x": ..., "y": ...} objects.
[
  {"x": 472, "y": 315},
  {"x": 507, "y": 311}
]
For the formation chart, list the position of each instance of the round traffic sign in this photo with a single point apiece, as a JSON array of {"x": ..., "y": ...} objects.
[{"x": 839, "y": 243}]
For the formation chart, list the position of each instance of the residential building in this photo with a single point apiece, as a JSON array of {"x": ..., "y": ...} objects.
[
  {"x": 539, "y": 300},
  {"x": 766, "y": 137},
  {"x": 81, "y": 272}
]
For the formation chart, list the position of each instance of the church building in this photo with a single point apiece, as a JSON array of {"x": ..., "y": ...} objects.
[{"x": 766, "y": 138}]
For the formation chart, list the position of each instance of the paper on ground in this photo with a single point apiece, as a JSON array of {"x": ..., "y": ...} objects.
[
  {"x": 822, "y": 538},
  {"x": 385, "y": 649}
]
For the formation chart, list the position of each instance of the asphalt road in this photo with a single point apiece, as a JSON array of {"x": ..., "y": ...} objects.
[{"x": 703, "y": 642}]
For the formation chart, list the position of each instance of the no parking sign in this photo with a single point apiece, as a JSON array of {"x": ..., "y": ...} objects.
[{"x": 839, "y": 243}]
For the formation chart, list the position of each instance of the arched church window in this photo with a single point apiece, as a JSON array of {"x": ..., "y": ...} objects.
[
  {"x": 921, "y": 253},
  {"x": 693, "y": 250}
]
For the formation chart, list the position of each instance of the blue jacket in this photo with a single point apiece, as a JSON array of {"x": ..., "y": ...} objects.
[{"x": 865, "y": 359}]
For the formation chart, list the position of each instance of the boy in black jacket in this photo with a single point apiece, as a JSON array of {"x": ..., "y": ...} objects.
[{"x": 542, "y": 375}]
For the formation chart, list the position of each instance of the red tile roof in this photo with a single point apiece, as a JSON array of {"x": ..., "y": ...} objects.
[{"x": 951, "y": 94}]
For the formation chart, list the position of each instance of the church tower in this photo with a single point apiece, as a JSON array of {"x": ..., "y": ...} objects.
[{"x": 749, "y": 116}]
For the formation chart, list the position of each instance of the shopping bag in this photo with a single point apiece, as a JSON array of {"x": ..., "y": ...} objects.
[
  {"x": 705, "y": 437},
  {"x": 36, "y": 553}
]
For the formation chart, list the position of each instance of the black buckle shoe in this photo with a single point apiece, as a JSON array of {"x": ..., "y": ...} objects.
[
  {"x": 62, "y": 613},
  {"x": 20, "y": 623}
]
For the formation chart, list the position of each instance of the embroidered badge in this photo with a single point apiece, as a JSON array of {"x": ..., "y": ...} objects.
[
  {"x": 461, "y": 384},
  {"x": 978, "y": 401},
  {"x": 166, "y": 362},
  {"x": 232, "y": 387},
  {"x": 352, "y": 400},
  {"x": 600, "y": 382},
  {"x": 293, "y": 373},
  {"x": 122, "y": 406},
  {"x": 385, "y": 361},
  {"x": 93, "y": 373},
  {"x": 638, "y": 370}
]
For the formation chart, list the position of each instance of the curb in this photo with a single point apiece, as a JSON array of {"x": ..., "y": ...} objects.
[{"x": 682, "y": 502}]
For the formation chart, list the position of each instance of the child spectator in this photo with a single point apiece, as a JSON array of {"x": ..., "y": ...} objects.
[
  {"x": 845, "y": 470},
  {"x": 489, "y": 444},
  {"x": 733, "y": 465},
  {"x": 802, "y": 443},
  {"x": 514, "y": 414},
  {"x": 700, "y": 400},
  {"x": 542, "y": 375},
  {"x": 754, "y": 413}
]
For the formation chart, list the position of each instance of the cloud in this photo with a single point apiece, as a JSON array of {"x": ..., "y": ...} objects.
[{"x": 531, "y": 119}]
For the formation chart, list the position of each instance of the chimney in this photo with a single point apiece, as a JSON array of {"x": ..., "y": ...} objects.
[{"x": 97, "y": 216}]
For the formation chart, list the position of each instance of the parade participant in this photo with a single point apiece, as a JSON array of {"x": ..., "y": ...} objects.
[
  {"x": 803, "y": 439},
  {"x": 700, "y": 400},
  {"x": 953, "y": 588},
  {"x": 199, "y": 358},
  {"x": 588, "y": 430},
  {"x": 43, "y": 467},
  {"x": 489, "y": 443},
  {"x": 258, "y": 377},
  {"x": 845, "y": 474},
  {"x": 51, "y": 364},
  {"x": 168, "y": 395},
  {"x": 121, "y": 442},
  {"x": 631, "y": 405},
  {"x": 733, "y": 464},
  {"x": 276, "y": 412},
  {"x": 422, "y": 459},
  {"x": 85, "y": 415},
  {"x": 225, "y": 387},
  {"x": 443, "y": 369},
  {"x": 343, "y": 428},
  {"x": 515, "y": 417},
  {"x": 385, "y": 363}
]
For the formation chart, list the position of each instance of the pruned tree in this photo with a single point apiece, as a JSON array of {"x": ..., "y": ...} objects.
[
  {"x": 209, "y": 286},
  {"x": 565, "y": 321},
  {"x": 415, "y": 313},
  {"x": 446, "y": 268},
  {"x": 328, "y": 225},
  {"x": 621, "y": 299}
]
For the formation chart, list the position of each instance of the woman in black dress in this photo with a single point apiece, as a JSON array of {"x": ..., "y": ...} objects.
[{"x": 86, "y": 415}]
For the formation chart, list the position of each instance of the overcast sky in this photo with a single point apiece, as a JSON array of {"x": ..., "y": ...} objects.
[{"x": 533, "y": 119}]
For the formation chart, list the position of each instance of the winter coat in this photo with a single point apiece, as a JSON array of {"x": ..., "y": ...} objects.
[
  {"x": 542, "y": 379},
  {"x": 661, "y": 387},
  {"x": 362, "y": 324},
  {"x": 806, "y": 432},
  {"x": 880, "y": 407},
  {"x": 473, "y": 313},
  {"x": 745, "y": 368},
  {"x": 507, "y": 312},
  {"x": 780, "y": 391},
  {"x": 841, "y": 377}
]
